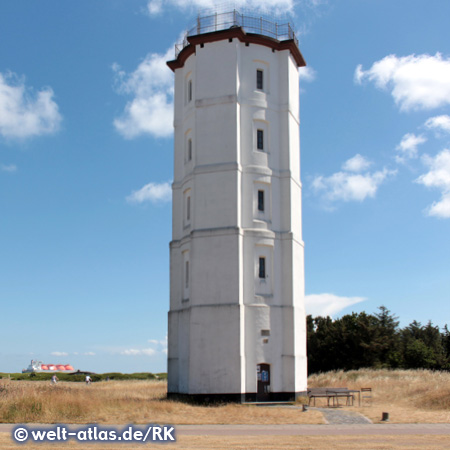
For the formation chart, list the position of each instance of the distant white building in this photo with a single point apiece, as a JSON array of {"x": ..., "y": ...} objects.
[{"x": 237, "y": 321}]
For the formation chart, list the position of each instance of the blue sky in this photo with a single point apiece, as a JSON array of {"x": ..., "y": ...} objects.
[{"x": 86, "y": 155}]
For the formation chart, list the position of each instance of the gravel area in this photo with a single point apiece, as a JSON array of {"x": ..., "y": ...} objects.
[{"x": 339, "y": 417}]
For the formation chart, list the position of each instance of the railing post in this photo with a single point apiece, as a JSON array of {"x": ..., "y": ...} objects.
[{"x": 198, "y": 24}]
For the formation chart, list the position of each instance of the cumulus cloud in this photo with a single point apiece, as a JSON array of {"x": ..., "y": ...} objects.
[
  {"x": 307, "y": 75},
  {"x": 151, "y": 192},
  {"x": 161, "y": 345},
  {"x": 138, "y": 352},
  {"x": 328, "y": 304},
  {"x": 59, "y": 354},
  {"x": 157, "y": 346},
  {"x": 407, "y": 149},
  {"x": 349, "y": 185},
  {"x": 150, "y": 111},
  {"x": 24, "y": 113},
  {"x": 11, "y": 168},
  {"x": 356, "y": 164},
  {"x": 438, "y": 177},
  {"x": 439, "y": 123},
  {"x": 155, "y": 7},
  {"x": 416, "y": 82}
]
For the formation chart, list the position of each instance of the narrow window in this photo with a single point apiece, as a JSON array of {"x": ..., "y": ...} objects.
[
  {"x": 188, "y": 209},
  {"x": 262, "y": 267},
  {"x": 260, "y": 139},
  {"x": 189, "y": 150},
  {"x": 261, "y": 201},
  {"x": 186, "y": 274},
  {"x": 259, "y": 79},
  {"x": 189, "y": 90}
]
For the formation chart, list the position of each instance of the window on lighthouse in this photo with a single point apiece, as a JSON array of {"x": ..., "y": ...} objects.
[
  {"x": 188, "y": 209},
  {"x": 189, "y": 90},
  {"x": 186, "y": 274},
  {"x": 262, "y": 267},
  {"x": 260, "y": 139},
  {"x": 259, "y": 79},
  {"x": 189, "y": 155},
  {"x": 261, "y": 201}
]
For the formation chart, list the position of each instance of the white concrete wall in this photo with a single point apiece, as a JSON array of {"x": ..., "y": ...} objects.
[{"x": 215, "y": 340}]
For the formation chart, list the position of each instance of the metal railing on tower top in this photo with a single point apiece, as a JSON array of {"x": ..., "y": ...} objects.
[{"x": 250, "y": 24}]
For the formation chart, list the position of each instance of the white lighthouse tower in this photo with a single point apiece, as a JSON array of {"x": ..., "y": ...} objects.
[{"x": 237, "y": 321}]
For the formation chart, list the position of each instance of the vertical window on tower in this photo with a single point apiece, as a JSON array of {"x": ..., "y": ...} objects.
[
  {"x": 186, "y": 274},
  {"x": 189, "y": 90},
  {"x": 262, "y": 267},
  {"x": 189, "y": 155},
  {"x": 188, "y": 208},
  {"x": 259, "y": 79},
  {"x": 261, "y": 201},
  {"x": 260, "y": 139}
]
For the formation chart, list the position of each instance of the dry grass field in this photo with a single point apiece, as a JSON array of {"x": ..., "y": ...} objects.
[
  {"x": 409, "y": 396},
  {"x": 418, "y": 396},
  {"x": 120, "y": 402}
]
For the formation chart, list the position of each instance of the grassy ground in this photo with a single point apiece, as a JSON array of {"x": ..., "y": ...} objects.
[
  {"x": 120, "y": 402},
  {"x": 409, "y": 396}
]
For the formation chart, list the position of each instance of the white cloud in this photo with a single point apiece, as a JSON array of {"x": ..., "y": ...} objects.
[
  {"x": 350, "y": 186},
  {"x": 8, "y": 168},
  {"x": 24, "y": 114},
  {"x": 439, "y": 123},
  {"x": 438, "y": 177},
  {"x": 356, "y": 164},
  {"x": 89, "y": 354},
  {"x": 415, "y": 82},
  {"x": 307, "y": 74},
  {"x": 59, "y": 354},
  {"x": 328, "y": 304},
  {"x": 161, "y": 345},
  {"x": 151, "y": 192},
  {"x": 407, "y": 149},
  {"x": 140, "y": 352},
  {"x": 151, "y": 109},
  {"x": 155, "y": 7}
]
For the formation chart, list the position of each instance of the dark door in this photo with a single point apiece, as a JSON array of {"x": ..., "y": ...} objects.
[{"x": 263, "y": 374}]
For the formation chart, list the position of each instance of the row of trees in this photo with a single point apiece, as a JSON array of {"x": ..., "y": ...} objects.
[{"x": 375, "y": 340}]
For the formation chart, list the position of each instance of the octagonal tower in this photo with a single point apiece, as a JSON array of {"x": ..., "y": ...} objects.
[{"x": 237, "y": 321}]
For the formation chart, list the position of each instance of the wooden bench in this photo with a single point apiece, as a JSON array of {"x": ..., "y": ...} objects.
[{"x": 331, "y": 394}]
